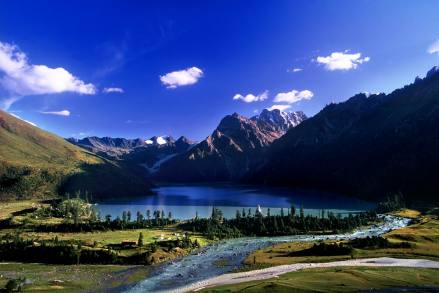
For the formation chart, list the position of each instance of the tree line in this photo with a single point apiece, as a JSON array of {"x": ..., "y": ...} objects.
[{"x": 247, "y": 223}]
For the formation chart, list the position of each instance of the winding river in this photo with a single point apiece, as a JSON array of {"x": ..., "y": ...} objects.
[{"x": 196, "y": 267}]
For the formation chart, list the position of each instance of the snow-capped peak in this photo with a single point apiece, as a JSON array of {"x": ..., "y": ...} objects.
[
  {"x": 281, "y": 119},
  {"x": 160, "y": 140}
]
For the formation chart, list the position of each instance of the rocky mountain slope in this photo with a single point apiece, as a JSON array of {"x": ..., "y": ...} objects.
[
  {"x": 369, "y": 146},
  {"x": 234, "y": 148},
  {"x": 36, "y": 163},
  {"x": 108, "y": 146},
  {"x": 148, "y": 153}
]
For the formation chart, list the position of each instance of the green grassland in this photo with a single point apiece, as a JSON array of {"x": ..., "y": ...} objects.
[
  {"x": 342, "y": 279},
  {"x": 76, "y": 278}
]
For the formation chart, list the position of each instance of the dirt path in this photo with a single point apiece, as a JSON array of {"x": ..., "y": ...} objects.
[{"x": 273, "y": 272}]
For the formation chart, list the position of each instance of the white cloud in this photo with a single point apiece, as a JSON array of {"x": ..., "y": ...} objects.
[
  {"x": 434, "y": 48},
  {"x": 342, "y": 61},
  {"x": 58, "y": 113},
  {"x": 187, "y": 76},
  {"x": 295, "y": 69},
  {"x": 20, "y": 78},
  {"x": 279, "y": 107},
  {"x": 251, "y": 98},
  {"x": 108, "y": 90},
  {"x": 27, "y": 121},
  {"x": 293, "y": 96}
]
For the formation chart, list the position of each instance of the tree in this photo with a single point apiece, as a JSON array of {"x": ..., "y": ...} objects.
[
  {"x": 124, "y": 217},
  {"x": 238, "y": 215},
  {"x": 293, "y": 211},
  {"x": 282, "y": 212},
  {"x": 302, "y": 212},
  {"x": 170, "y": 215},
  {"x": 217, "y": 215},
  {"x": 268, "y": 212},
  {"x": 148, "y": 214},
  {"x": 129, "y": 216},
  {"x": 140, "y": 240},
  {"x": 243, "y": 212}
]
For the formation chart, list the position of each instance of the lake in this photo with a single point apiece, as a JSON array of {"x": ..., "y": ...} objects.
[{"x": 185, "y": 201}]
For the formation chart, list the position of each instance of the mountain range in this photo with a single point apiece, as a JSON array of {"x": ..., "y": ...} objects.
[
  {"x": 369, "y": 146},
  {"x": 233, "y": 149}
]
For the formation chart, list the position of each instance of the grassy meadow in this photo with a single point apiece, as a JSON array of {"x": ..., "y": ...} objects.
[{"x": 339, "y": 279}]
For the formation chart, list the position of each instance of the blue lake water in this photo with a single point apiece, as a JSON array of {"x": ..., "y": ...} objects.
[{"x": 184, "y": 201}]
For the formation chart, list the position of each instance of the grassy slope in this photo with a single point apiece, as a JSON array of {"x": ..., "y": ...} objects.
[
  {"x": 36, "y": 163},
  {"x": 352, "y": 279}
]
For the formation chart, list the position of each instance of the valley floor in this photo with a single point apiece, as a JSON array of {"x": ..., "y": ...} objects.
[
  {"x": 271, "y": 269},
  {"x": 274, "y": 269}
]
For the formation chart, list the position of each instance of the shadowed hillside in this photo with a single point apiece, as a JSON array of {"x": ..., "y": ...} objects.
[{"x": 368, "y": 146}]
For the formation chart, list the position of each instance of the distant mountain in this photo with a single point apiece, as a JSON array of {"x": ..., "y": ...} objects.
[
  {"x": 107, "y": 146},
  {"x": 36, "y": 163},
  {"x": 148, "y": 153},
  {"x": 369, "y": 146},
  {"x": 231, "y": 150},
  {"x": 156, "y": 151}
]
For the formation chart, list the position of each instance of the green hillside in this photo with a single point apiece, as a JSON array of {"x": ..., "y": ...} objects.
[{"x": 36, "y": 163}]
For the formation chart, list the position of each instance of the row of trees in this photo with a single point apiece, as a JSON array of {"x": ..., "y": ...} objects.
[
  {"x": 81, "y": 216},
  {"x": 247, "y": 224}
]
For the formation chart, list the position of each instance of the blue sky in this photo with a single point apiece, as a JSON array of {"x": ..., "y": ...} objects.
[{"x": 183, "y": 65}]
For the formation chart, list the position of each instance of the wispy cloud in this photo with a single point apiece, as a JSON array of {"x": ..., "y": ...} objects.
[
  {"x": 27, "y": 121},
  {"x": 295, "y": 70},
  {"x": 82, "y": 134},
  {"x": 109, "y": 90},
  {"x": 293, "y": 96},
  {"x": 129, "y": 121},
  {"x": 250, "y": 98},
  {"x": 279, "y": 107},
  {"x": 20, "y": 78},
  {"x": 58, "y": 113},
  {"x": 434, "y": 48},
  {"x": 181, "y": 77},
  {"x": 342, "y": 61}
]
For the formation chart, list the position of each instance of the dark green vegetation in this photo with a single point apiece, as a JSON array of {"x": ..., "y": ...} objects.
[
  {"x": 347, "y": 248},
  {"x": 343, "y": 279},
  {"x": 246, "y": 224},
  {"x": 35, "y": 163},
  {"x": 71, "y": 232},
  {"x": 368, "y": 146}
]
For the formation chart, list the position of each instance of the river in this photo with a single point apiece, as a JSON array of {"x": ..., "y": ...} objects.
[{"x": 175, "y": 276}]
